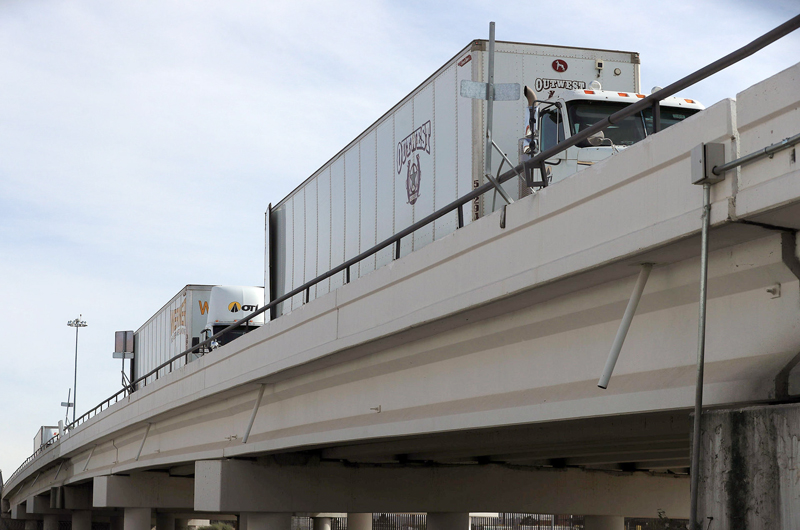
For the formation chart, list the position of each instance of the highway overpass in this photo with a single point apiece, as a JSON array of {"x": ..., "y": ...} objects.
[{"x": 463, "y": 377}]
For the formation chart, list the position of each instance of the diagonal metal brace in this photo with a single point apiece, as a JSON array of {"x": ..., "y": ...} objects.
[
  {"x": 144, "y": 439},
  {"x": 505, "y": 157},
  {"x": 499, "y": 189}
]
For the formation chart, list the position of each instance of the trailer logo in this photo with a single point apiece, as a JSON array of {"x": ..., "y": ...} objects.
[
  {"x": 560, "y": 65},
  {"x": 412, "y": 180},
  {"x": 178, "y": 320},
  {"x": 419, "y": 140},
  {"x": 547, "y": 84},
  {"x": 465, "y": 60},
  {"x": 235, "y": 307},
  {"x": 203, "y": 306}
]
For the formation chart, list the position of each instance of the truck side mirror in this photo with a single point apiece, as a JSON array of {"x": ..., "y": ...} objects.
[
  {"x": 532, "y": 116},
  {"x": 531, "y": 134},
  {"x": 596, "y": 139}
]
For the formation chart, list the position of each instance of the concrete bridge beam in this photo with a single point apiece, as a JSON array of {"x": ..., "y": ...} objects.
[
  {"x": 77, "y": 497},
  {"x": 246, "y": 486},
  {"x": 20, "y": 511},
  {"x": 448, "y": 521},
  {"x": 604, "y": 522},
  {"x": 265, "y": 521},
  {"x": 39, "y": 504},
  {"x": 144, "y": 490}
]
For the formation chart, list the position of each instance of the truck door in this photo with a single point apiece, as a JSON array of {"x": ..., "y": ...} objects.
[{"x": 551, "y": 132}]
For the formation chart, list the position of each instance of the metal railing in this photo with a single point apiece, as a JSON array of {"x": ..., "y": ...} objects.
[{"x": 536, "y": 162}]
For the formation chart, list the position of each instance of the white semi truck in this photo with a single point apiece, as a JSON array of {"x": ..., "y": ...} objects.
[
  {"x": 191, "y": 316},
  {"x": 569, "y": 112},
  {"x": 429, "y": 149}
]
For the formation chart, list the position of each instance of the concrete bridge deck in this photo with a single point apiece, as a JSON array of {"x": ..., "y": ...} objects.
[{"x": 471, "y": 365}]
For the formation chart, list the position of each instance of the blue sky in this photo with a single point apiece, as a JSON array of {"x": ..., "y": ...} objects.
[{"x": 141, "y": 142}]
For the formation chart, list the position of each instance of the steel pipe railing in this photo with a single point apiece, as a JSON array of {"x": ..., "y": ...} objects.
[
  {"x": 770, "y": 150},
  {"x": 535, "y": 162}
]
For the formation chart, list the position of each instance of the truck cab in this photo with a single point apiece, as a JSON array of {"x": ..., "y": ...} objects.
[
  {"x": 572, "y": 111},
  {"x": 227, "y": 305}
]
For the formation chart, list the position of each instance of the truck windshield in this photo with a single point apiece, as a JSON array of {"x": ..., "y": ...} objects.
[
  {"x": 230, "y": 335},
  {"x": 583, "y": 114},
  {"x": 669, "y": 116}
]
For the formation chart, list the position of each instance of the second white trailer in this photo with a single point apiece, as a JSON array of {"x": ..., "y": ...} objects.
[{"x": 427, "y": 151}]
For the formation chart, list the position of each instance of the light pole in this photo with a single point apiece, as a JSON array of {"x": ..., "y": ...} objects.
[{"x": 77, "y": 324}]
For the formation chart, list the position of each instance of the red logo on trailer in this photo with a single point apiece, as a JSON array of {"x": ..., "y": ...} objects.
[
  {"x": 465, "y": 60},
  {"x": 560, "y": 65}
]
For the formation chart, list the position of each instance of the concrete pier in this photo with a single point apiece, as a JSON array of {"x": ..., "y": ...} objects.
[
  {"x": 137, "y": 519},
  {"x": 359, "y": 521},
  {"x": 750, "y": 476}
]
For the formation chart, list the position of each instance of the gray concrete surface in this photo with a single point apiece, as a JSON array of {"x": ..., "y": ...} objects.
[{"x": 750, "y": 475}]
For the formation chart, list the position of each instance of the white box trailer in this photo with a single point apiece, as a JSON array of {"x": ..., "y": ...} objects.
[
  {"x": 427, "y": 151},
  {"x": 171, "y": 330},
  {"x": 190, "y": 317},
  {"x": 43, "y": 436}
]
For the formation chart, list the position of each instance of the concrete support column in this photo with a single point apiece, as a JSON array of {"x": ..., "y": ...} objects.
[
  {"x": 264, "y": 521},
  {"x": 356, "y": 521},
  {"x": 137, "y": 519},
  {"x": 448, "y": 521},
  {"x": 50, "y": 522},
  {"x": 117, "y": 522},
  {"x": 604, "y": 522},
  {"x": 164, "y": 521},
  {"x": 748, "y": 468},
  {"x": 31, "y": 524},
  {"x": 82, "y": 520},
  {"x": 322, "y": 523}
]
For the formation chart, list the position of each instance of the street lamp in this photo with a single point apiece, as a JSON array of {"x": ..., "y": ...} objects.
[{"x": 77, "y": 324}]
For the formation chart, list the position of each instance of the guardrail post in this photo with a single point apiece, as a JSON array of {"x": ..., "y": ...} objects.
[{"x": 656, "y": 116}]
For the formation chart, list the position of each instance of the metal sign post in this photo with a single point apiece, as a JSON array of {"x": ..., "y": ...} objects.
[
  {"x": 67, "y": 404},
  {"x": 491, "y": 93},
  {"x": 487, "y": 168}
]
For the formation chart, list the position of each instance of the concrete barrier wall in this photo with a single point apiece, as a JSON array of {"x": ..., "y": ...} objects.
[{"x": 767, "y": 113}]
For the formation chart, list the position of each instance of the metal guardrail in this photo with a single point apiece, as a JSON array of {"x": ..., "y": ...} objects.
[{"x": 538, "y": 161}]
